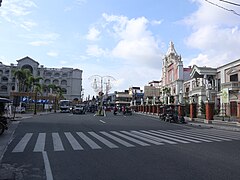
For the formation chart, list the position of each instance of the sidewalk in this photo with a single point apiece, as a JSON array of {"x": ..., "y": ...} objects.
[
  {"x": 20, "y": 116},
  {"x": 218, "y": 124}
]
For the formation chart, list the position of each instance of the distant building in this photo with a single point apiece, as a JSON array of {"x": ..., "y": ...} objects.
[
  {"x": 152, "y": 91},
  {"x": 69, "y": 79}
]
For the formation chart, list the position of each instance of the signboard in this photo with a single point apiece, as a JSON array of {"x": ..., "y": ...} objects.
[{"x": 225, "y": 95}]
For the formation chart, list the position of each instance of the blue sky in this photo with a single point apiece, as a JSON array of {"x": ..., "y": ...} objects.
[{"x": 125, "y": 39}]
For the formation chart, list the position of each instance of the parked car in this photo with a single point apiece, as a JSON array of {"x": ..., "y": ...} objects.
[{"x": 79, "y": 109}]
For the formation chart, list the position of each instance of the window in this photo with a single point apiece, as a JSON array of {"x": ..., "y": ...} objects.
[
  {"x": 47, "y": 81},
  {"x": 219, "y": 84},
  {"x": 234, "y": 77},
  {"x": 56, "y": 82},
  {"x": 4, "y": 79},
  {"x": 63, "y": 82},
  {"x": 3, "y": 88}
]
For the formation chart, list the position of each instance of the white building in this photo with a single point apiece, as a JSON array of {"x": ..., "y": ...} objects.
[{"x": 69, "y": 79}]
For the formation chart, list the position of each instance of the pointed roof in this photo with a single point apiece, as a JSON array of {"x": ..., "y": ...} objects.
[
  {"x": 171, "y": 49},
  {"x": 27, "y": 57}
]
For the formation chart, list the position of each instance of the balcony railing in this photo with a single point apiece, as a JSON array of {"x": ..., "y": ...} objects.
[{"x": 231, "y": 85}]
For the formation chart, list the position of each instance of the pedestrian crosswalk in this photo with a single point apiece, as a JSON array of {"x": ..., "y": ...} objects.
[{"x": 79, "y": 141}]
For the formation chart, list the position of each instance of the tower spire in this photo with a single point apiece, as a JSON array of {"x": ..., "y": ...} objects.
[{"x": 171, "y": 49}]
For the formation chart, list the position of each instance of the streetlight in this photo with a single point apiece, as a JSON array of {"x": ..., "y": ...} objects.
[{"x": 101, "y": 84}]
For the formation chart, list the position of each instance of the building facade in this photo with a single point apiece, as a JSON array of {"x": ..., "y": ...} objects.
[
  {"x": 69, "y": 79},
  {"x": 173, "y": 75}
]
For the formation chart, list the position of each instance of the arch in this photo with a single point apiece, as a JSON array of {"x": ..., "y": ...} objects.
[
  {"x": 56, "y": 81},
  {"x": 13, "y": 88},
  {"x": 27, "y": 66},
  {"x": 4, "y": 88},
  {"x": 48, "y": 73},
  {"x": 63, "y": 82},
  {"x": 64, "y": 75},
  {"x": 57, "y": 74},
  {"x": 4, "y": 79},
  {"x": 47, "y": 81}
]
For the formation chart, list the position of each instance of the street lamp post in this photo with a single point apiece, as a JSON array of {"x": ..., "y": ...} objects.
[{"x": 101, "y": 84}]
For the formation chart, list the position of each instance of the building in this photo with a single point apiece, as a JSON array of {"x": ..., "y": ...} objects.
[
  {"x": 173, "y": 76},
  {"x": 69, "y": 79},
  {"x": 152, "y": 92}
]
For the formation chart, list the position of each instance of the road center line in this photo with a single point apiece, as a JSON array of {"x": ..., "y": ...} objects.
[
  {"x": 102, "y": 121},
  {"x": 48, "y": 170}
]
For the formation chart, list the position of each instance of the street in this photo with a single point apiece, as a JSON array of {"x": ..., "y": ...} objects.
[{"x": 82, "y": 147}]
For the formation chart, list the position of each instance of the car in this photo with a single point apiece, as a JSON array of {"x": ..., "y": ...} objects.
[{"x": 79, "y": 109}]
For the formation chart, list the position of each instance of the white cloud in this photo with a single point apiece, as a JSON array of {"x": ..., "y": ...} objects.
[
  {"x": 53, "y": 53},
  {"x": 16, "y": 12},
  {"x": 215, "y": 33},
  {"x": 44, "y": 39},
  {"x": 136, "y": 43},
  {"x": 93, "y": 34},
  {"x": 95, "y": 51},
  {"x": 40, "y": 43},
  {"x": 156, "y": 22}
]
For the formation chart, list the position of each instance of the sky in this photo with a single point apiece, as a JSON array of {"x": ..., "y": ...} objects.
[{"x": 122, "y": 39}]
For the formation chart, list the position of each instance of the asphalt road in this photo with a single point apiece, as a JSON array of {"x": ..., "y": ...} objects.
[{"x": 85, "y": 147}]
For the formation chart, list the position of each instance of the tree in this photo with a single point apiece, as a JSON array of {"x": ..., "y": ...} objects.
[{"x": 22, "y": 76}]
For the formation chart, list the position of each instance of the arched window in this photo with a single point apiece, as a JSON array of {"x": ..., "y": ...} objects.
[
  {"x": 56, "y": 82},
  {"x": 13, "y": 88},
  {"x": 57, "y": 74},
  {"x": 48, "y": 73},
  {"x": 4, "y": 79},
  {"x": 47, "y": 81},
  {"x": 64, "y": 75},
  {"x": 27, "y": 66},
  {"x": 63, "y": 82},
  {"x": 4, "y": 88}
]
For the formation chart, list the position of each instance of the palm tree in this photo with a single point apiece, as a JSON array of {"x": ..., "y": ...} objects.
[{"x": 22, "y": 75}]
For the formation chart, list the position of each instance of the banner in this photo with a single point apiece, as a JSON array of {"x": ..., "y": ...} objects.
[{"x": 225, "y": 95}]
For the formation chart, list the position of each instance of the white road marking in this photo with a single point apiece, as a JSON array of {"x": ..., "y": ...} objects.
[
  {"x": 153, "y": 137},
  {"x": 75, "y": 145},
  {"x": 130, "y": 139},
  {"x": 23, "y": 143},
  {"x": 142, "y": 138},
  {"x": 48, "y": 170},
  {"x": 103, "y": 140},
  {"x": 57, "y": 143},
  {"x": 102, "y": 121},
  {"x": 40, "y": 144},
  {"x": 90, "y": 142},
  {"x": 120, "y": 141}
]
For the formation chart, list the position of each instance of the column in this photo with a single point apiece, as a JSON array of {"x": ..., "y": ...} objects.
[
  {"x": 193, "y": 110},
  {"x": 209, "y": 112},
  {"x": 181, "y": 110}
]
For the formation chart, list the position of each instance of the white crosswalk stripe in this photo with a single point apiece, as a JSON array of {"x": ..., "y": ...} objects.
[
  {"x": 104, "y": 141},
  {"x": 116, "y": 139},
  {"x": 57, "y": 142},
  {"x": 74, "y": 143},
  {"x": 120, "y": 141},
  {"x": 40, "y": 144},
  {"x": 23, "y": 143},
  {"x": 90, "y": 142}
]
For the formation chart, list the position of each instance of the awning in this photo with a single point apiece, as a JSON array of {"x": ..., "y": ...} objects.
[{"x": 5, "y": 100}]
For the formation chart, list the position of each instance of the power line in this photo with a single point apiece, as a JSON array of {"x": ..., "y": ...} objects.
[
  {"x": 230, "y": 10},
  {"x": 230, "y": 2}
]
